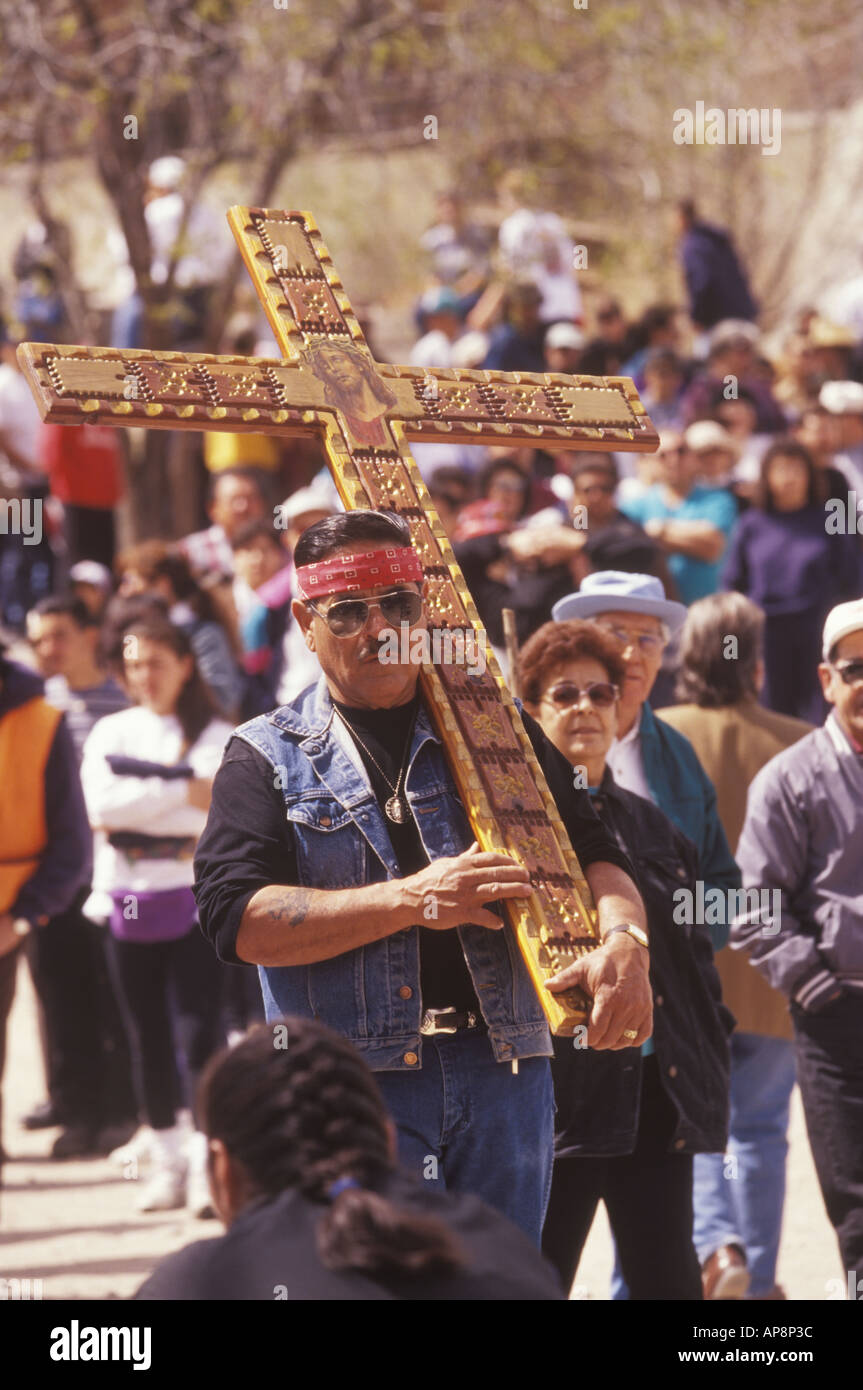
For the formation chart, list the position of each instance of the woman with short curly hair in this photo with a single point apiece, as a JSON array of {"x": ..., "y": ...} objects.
[{"x": 628, "y": 1122}]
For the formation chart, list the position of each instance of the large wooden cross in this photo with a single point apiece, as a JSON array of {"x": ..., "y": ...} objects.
[{"x": 327, "y": 384}]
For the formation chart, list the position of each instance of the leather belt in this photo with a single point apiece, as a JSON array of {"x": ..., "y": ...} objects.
[{"x": 432, "y": 1024}]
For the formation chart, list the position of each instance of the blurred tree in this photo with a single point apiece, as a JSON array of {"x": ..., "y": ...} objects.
[
  {"x": 584, "y": 98},
  {"x": 219, "y": 82}
]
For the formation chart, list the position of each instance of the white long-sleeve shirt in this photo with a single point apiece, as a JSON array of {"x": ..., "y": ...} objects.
[
  {"x": 149, "y": 805},
  {"x": 536, "y": 244}
]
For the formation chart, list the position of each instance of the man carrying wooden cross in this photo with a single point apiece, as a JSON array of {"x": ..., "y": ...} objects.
[
  {"x": 338, "y": 857},
  {"x": 340, "y": 853}
]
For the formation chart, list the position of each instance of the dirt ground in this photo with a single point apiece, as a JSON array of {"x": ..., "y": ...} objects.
[{"x": 73, "y": 1225}]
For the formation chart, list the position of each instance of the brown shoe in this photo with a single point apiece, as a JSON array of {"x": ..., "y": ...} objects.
[{"x": 724, "y": 1275}]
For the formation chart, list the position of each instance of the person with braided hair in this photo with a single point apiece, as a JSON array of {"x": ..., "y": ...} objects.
[{"x": 301, "y": 1167}]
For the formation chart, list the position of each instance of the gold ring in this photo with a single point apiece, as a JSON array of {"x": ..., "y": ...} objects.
[{"x": 630, "y": 1033}]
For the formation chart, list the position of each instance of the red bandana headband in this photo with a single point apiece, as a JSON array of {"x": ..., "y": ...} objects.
[{"x": 366, "y": 569}]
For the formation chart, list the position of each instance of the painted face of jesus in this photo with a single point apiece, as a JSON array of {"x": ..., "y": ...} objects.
[{"x": 342, "y": 369}]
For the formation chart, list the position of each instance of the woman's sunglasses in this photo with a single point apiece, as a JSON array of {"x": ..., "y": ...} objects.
[
  {"x": 350, "y": 615},
  {"x": 602, "y": 694}
]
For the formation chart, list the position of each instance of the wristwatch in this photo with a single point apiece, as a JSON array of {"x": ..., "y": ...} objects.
[{"x": 637, "y": 933}]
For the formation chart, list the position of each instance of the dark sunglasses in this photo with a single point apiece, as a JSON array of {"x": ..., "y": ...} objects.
[
  {"x": 566, "y": 693},
  {"x": 350, "y": 615},
  {"x": 850, "y": 671}
]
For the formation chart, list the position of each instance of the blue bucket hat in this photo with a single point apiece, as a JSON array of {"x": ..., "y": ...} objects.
[{"x": 613, "y": 591}]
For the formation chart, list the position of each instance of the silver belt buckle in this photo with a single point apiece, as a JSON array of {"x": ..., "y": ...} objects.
[{"x": 430, "y": 1026}]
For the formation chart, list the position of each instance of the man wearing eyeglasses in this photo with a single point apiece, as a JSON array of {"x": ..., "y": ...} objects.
[
  {"x": 803, "y": 837},
  {"x": 649, "y": 757},
  {"x": 338, "y": 857}
]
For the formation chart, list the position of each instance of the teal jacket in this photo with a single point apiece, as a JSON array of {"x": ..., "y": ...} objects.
[{"x": 682, "y": 789}]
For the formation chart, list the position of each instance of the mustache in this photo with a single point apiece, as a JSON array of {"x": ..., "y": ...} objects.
[{"x": 372, "y": 647}]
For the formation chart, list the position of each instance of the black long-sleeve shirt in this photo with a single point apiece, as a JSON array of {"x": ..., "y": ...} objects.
[
  {"x": 272, "y": 1246},
  {"x": 247, "y": 843}
]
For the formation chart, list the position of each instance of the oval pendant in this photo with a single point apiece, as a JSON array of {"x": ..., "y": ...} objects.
[{"x": 395, "y": 810}]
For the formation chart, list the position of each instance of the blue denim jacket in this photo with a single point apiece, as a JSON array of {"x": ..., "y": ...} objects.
[{"x": 371, "y": 995}]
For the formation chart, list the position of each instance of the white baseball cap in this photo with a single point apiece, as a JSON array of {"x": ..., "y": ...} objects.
[
  {"x": 842, "y": 397},
  {"x": 844, "y": 618},
  {"x": 91, "y": 572},
  {"x": 564, "y": 335},
  {"x": 709, "y": 434},
  {"x": 319, "y": 496},
  {"x": 734, "y": 330}
]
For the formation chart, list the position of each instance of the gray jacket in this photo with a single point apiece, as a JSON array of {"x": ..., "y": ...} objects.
[{"x": 803, "y": 841}]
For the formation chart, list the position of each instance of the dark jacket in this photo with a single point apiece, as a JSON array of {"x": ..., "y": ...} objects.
[
  {"x": 787, "y": 563},
  {"x": 598, "y": 1093},
  {"x": 512, "y": 351},
  {"x": 271, "y": 1252},
  {"x": 64, "y": 865},
  {"x": 530, "y": 593},
  {"x": 716, "y": 281},
  {"x": 802, "y": 842}
]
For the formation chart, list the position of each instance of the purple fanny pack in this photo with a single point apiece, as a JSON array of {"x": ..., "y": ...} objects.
[{"x": 153, "y": 916}]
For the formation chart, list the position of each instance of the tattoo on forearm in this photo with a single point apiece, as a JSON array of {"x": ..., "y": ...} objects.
[{"x": 293, "y": 905}]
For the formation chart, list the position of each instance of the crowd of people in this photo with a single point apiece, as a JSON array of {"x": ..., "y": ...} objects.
[{"x": 689, "y": 655}]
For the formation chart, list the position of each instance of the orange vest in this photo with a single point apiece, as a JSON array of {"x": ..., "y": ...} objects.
[{"x": 26, "y": 735}]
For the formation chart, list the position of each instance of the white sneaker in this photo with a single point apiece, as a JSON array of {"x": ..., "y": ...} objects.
[
  {"x": 138, "y": 1150},
  {"x": 166, "y": 1189},
  {"x": 198, "y": 1199}
]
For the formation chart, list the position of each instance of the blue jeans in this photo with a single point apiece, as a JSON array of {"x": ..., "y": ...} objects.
[
  {"x": 468, "y": 1123},
  {"x": 739, "y": 1196}
]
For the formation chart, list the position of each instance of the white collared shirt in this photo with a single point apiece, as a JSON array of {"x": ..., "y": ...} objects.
[{"x": 626, "y": 761}]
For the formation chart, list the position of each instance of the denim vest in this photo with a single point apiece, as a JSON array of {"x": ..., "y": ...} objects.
[{"x": 371, "y": 995}]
